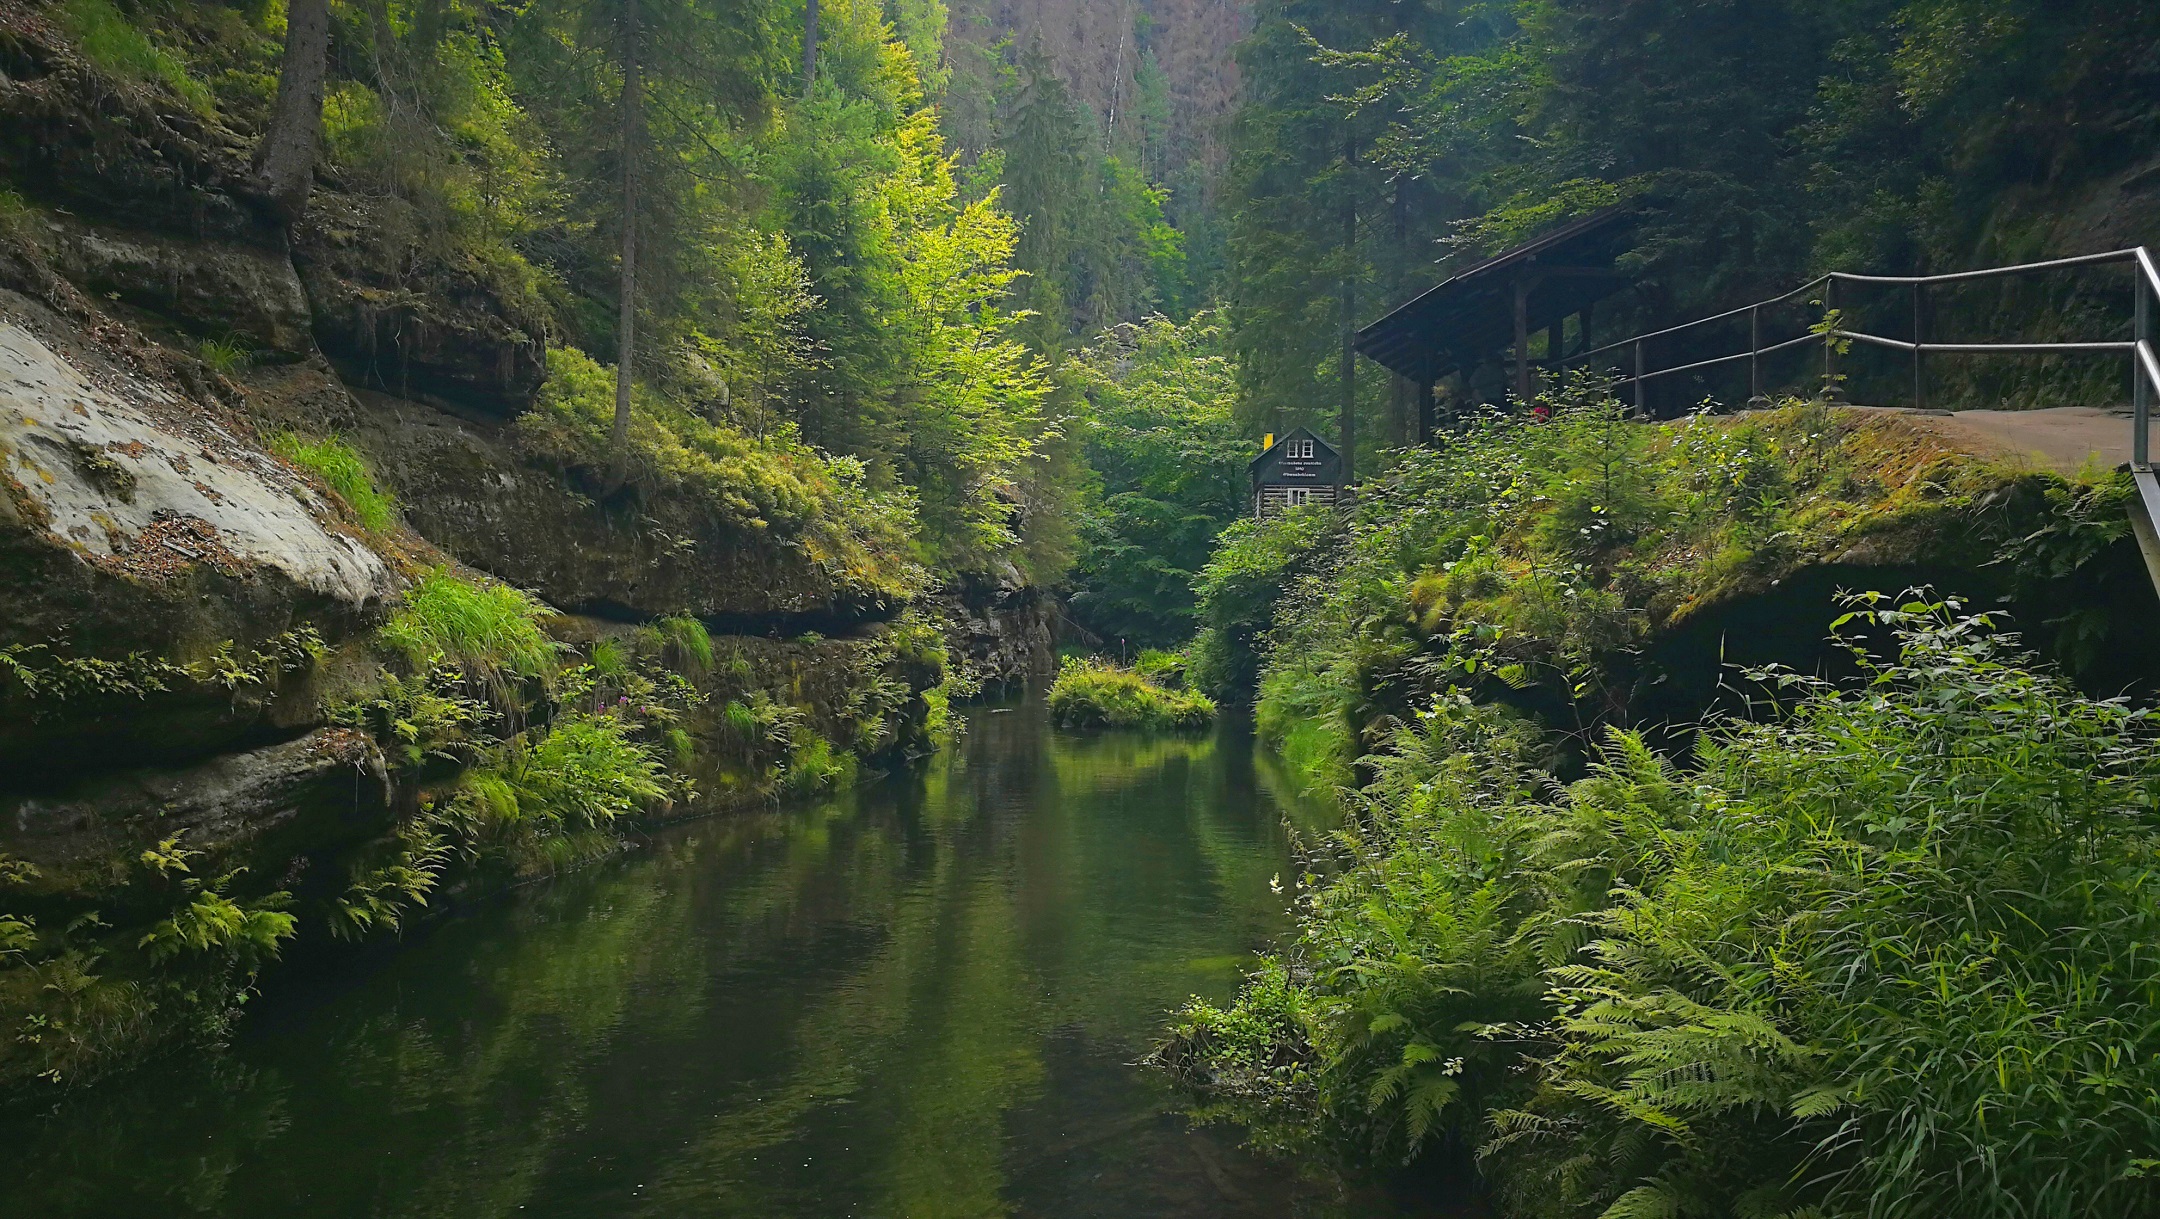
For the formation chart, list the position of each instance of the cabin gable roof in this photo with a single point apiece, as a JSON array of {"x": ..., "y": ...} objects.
[{"x": 1276, "y": 465}]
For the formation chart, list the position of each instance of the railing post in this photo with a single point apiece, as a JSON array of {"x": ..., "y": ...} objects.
[
  {"x": 1754, "y": 362},
  {"x": 2140, "y": 392},
  {"x": 1919, "y": 386},
  {"x": 1829, "y": 344},
  {"x": 1638, "y": 377}
]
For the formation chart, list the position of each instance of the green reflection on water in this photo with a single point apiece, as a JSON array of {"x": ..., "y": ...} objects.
[{"x": 918, "y": 1000}]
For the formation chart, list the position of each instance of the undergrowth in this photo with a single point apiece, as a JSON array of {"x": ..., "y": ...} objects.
[
  {"x": 114, "y": 44},
  {"x": 1886, "y": 950},
  {"x": 1536, "y": 562},
  {"x": 1099, "y": 694},
  {"x": 750, "y": 484}
]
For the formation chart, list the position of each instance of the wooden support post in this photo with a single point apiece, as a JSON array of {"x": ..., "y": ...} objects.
[
  {"x": 1582, "y": 331},
  {"x": 1638, "y": 377},
  {"x": 1522, "y": 338},
  {"x": 1425, "y": 391}
]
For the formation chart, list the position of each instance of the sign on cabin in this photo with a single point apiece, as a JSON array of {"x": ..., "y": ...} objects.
[{"x": 1299, "y": 468}]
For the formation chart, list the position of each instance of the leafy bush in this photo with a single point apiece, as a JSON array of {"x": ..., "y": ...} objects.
[
  {"x": 1886, "y": 953},
  {"x": 1156, "y": 426},
  {"x": 583, "y": 774},
  {"x": 491, "y": 631},
  {"x": 814, "y": 766},
  {"x": 1254, "y": 563},
  {"x": 343, "y": 470},
  {"x": 1098, "y": 694}
]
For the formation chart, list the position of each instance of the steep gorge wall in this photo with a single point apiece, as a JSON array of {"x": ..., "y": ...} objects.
[{"x": 194, "y": 718}]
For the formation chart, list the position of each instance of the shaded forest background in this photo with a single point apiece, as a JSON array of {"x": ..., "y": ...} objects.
[{"x": 919, "y": 265}]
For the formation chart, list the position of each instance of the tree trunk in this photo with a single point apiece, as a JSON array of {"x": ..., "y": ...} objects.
[
  {"x": 1348, "y": 372},
  {"x": 285, "y": 161},
  {"x": 626, "y": 340},
  {"x": 809, "y": 48}
]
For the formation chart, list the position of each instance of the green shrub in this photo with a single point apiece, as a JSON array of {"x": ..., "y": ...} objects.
[
  {"x": 1254, "y": 563},
  {"x": 814, "y": 766},
  {"x": 1098, "y": 694},
  {"x": 1887, "y": 953},
  {"x": 110, "y": 41},
  {"x": 585, "y": 772},
  {"x": 491, "y": 631},
  {"x": 342, "y": 469}
]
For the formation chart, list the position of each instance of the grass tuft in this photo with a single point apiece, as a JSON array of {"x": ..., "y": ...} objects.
[
  {"x": 491, "y": 631},
  {"x": 343, "y": 470}
]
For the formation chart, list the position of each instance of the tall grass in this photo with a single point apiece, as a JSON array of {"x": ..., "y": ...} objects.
[
  {"x": 491, "y": 631},
  {"x": 1887, "y": 951},
  {"x": 343, "y": 470}
]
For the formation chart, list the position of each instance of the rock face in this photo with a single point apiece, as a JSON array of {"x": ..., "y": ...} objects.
[
  {"x": 115, "y": 152},
  {"x": 266, "y": 808},
  {"x": 464, "y": 487},
  {"x": 135, "y": 524},
  {"x": 213, "y": 288},
  {"x": 410, "y": 326},
  {"x": 1003, "y": 628}
]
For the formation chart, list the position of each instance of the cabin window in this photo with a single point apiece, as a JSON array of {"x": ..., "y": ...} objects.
[
  {"x": 1296, "y": 496},
  {"x": 1301, "y": 448}
]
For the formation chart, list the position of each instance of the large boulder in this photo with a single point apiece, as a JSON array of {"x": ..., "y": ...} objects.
[{"x": 141, "y": 531}]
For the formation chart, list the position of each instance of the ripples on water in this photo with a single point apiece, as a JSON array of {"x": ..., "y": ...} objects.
[{"x": 917, "y": 1000}]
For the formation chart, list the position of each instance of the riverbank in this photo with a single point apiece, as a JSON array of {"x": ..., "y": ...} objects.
[{"x": 1696, "y": 867}]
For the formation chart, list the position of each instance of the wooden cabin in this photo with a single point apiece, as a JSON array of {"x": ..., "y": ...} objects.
[{"x": 1299, "y": 468}]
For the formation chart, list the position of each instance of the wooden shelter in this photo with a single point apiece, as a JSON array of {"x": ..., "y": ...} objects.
[
  {"x": 1300, "y": 468},
  {"x": 1488, "y": 312}
]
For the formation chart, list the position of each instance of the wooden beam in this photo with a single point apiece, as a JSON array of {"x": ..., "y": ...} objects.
[{"x": 1522, "y": 337}]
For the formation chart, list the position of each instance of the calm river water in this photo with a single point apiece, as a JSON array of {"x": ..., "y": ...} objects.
[{"x": 920, "y": 1000}]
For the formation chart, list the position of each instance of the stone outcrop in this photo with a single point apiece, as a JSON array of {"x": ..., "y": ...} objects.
[
  {"x": 1003, "y": 628},
  {"x": 396, "y": 320},
  {"x": 272, "y": 809}
]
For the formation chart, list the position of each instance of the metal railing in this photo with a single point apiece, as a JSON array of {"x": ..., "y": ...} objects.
[{"x": 2144, "y": 363}]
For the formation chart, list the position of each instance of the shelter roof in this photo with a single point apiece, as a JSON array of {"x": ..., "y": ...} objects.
[{"x": 1472, "y": 315}]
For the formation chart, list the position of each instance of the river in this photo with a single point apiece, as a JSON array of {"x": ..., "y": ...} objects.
[{"x": 921, "y": 999}]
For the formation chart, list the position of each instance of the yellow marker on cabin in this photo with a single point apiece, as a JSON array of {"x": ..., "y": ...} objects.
[{"x": 1269, "y": 443}]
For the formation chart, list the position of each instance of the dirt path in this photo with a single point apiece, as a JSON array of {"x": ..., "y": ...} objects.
[{"x": 2063, "y": 439}]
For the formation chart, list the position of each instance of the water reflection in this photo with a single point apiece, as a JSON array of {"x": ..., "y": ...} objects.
[{"x": 915, "y": 1001}]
